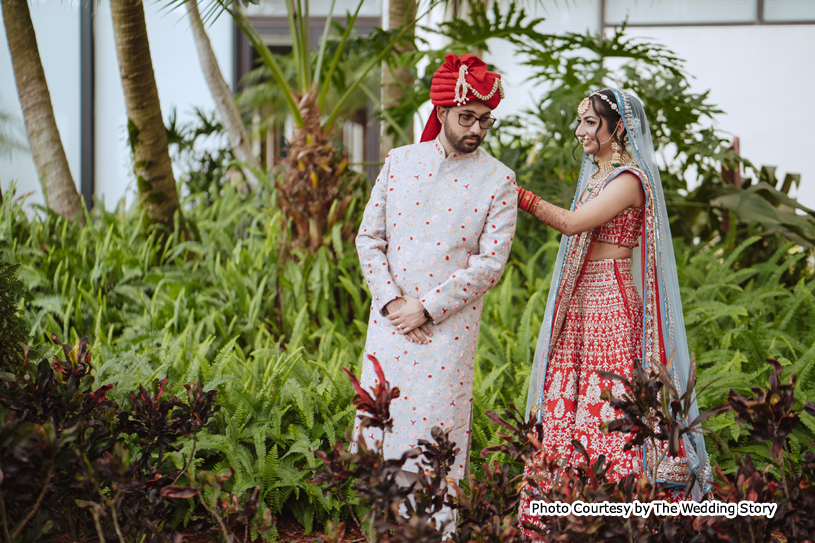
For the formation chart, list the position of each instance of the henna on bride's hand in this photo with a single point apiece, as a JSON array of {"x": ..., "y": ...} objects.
[{"x": 552, "y": 215}]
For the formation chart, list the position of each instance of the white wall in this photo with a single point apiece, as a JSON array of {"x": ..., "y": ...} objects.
[
  {"x": 572, "y": 16},
  {"x": 57, "y": 27},
  {"x": 761, "y": 77},
  {"x": 180, "y": 82}
]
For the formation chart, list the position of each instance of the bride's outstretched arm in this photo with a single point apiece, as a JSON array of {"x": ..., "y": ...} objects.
[{"x": 623, "y": 192}]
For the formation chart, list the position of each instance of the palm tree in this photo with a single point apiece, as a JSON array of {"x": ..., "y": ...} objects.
[
  {"x": 397, "y": 81},
  {"x": 43, "y": 136},
  {"x": 313, "y": 167},
  {"x": 224, "y": 102},
  {"x": 158, "y": 194}
]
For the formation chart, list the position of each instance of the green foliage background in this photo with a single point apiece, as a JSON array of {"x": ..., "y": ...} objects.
[
  {"x": 271, "y": 334},
  {"x": 270, "y": 327},
  {"x": 13, "y": 330}
]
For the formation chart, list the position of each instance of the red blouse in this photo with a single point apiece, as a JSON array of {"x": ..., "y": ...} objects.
[{"x": 623, "y": 230}]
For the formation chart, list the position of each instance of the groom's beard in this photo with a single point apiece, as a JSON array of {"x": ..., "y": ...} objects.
[{"x": 464, "y": 144}]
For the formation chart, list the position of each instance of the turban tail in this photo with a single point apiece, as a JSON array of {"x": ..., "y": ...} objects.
[{"x": 459, "y": 81}]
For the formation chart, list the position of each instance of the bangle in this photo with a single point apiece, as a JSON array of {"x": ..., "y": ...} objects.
[
  {"x": 527, "y": 201},
  {"x": 534, "y": 206},
  {"x": 427, "y": 314},
  {"x": 525, "y": 197}
]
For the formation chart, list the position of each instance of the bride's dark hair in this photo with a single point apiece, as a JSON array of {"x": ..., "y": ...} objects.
[{"x": 604, "y": 111}]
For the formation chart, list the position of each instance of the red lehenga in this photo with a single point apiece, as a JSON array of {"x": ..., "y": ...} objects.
[
  {"x": 603, "y": 315},
  {"x": 601, "y": 329}
]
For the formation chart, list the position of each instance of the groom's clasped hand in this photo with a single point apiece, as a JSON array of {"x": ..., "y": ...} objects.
[{"x": 406, "y": 314}]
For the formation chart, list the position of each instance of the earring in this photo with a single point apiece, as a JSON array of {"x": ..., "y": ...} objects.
[{"x": 616, "y": 160}]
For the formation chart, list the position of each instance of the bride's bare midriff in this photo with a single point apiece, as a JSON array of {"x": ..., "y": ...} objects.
[{"x": 603, "y": 251}]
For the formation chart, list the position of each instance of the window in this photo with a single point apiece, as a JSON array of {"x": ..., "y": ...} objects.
[
  {"x": 789, "y": 10},
  {"x": 706, "y": 12},
  {"x": 317, "y": 8},
  {"x": 661, "y": 12}
]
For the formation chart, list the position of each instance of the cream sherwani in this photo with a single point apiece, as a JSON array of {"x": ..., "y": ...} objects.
[{"x": 439, "y": 229}]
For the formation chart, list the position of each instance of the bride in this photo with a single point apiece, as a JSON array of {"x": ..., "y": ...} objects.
[{"x": 614, "y": 298}]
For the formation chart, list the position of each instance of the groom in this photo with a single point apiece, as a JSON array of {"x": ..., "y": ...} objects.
[{"x": 434, "y": 238}]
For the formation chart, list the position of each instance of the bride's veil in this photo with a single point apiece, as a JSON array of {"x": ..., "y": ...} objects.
[{"x": 641, "y": 149}]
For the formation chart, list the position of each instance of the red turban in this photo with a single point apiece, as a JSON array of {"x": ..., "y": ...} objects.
[{"x": 459, "y": 81}]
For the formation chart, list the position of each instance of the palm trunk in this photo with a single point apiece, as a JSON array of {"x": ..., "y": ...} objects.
[
  {"x": 43, "y": 136},
  {"x": 227, "y": 111},
  {"x": 397, "y": 82},
  {"x": 311, "y": 177},
  {"x": 158, "y": 195}
]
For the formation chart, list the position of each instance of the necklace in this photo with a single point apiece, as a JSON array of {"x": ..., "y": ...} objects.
[
  {"x": 593, "y": 180},
  {"x": 603, "y": 168}
]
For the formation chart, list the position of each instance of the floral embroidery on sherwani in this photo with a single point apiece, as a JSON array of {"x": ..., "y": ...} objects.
[{"x": 439, "y": 229}]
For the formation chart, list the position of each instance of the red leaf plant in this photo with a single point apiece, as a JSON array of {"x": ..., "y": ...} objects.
[{"x": 377, "y": 406}]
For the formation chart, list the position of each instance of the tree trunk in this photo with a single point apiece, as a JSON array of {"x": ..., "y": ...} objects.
[
  {"x": 310, "y": 181},
  {"x": 398, "y": 82},
  {"x": 158, "y": 195},
  {"x": 227, "y": 111},
  {"x": 43, "y": 136}
]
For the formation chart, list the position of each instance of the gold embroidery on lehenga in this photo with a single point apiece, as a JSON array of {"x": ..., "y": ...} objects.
[
  {"x": 595, "y": 328},
  {"x": 559, "y": 409},
  {"x": 672, "y": 469},
  {"x": 593, "y": 391}
]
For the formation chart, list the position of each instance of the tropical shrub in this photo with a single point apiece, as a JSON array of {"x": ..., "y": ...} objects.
[
  {"x": 652, "y": 410},
  {"x": 270, "y": 333},
  {"x": 736, "y": 318},
  {"x": 13, "y": 328},
  {"x": 74, "y": 462},
  {"x": 265, "y": 330}
]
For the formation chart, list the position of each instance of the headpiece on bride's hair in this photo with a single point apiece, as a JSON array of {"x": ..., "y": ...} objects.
[
  {"x": 611, "y": 112},
  {"x": 586, "y": 102}
]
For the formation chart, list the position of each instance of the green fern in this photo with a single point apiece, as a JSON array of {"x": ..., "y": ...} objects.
[{"x": 270, "y": 334}]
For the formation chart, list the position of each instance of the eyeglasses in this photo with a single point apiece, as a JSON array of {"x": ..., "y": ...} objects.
[{"x": 468, "y": 119}]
